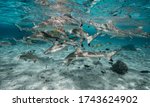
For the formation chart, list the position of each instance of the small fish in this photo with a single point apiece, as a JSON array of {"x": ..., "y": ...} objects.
[
  {"x": 36, "y": 36},
  {"x": 50, "y": 36},
  {"x": 145, "y": 71},
  {"x": 5, "y": 43},
  {"x": 30, "y": 55}
]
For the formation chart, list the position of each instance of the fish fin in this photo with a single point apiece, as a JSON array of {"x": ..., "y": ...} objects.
[
  {"x": 46, "y": 51},
  {"x": 68, "y": 61},
  {"x": 113, "y": 36},
  {"x": 110, "y": 55},
  {"x": 45, "y": 34},
  {"x": 89, "y": 39}
]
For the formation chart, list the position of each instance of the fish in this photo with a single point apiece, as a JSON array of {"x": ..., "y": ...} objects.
[
  {"x": 110, "y": 29},
  {"x": 58, "y": 34},
  {"x": 53, "y": 36},
  {"x": 90, "y": 39},
  {"x": 81, "y": 54},
  {"x": 5, "y": 43},
  {"x": 55, "y": 48},
  {"x": 91, "y": 3},
  {"x": 37, "y": 36},
  {"x": 83, "y": 35},
  {"x": 61, "y": 38},
  {"x": 66, "y": 22},
  {"x": 30, "y": 55},
  {"x": 145, "y": 71}
]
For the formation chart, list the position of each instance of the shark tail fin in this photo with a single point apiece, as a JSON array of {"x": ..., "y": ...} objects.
[
  {"x": 90, "y": 39},
  {"x": 68, "y": 61},
  {"x": 111, "y": 54}
]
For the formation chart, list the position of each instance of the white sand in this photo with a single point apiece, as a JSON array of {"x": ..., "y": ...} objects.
[{"x": 53, "y": 75}]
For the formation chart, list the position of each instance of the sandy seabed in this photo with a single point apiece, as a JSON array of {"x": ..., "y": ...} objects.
[{"x": 50, "y": 73}]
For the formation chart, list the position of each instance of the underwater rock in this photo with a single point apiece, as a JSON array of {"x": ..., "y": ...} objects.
[
  {"x": 145, "y": 71},
  {"x": 129, "y": 47},
  {"x": 120, "y": 67}
]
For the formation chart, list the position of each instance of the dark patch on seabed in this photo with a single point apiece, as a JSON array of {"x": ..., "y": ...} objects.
[{"x": 75, "y": 44}]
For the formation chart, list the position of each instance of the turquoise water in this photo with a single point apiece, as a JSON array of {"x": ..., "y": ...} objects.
[{"x": 123, "y": 23}]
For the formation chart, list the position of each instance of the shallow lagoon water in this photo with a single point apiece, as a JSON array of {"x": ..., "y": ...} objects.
[{"x": 50, "y": 72}]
